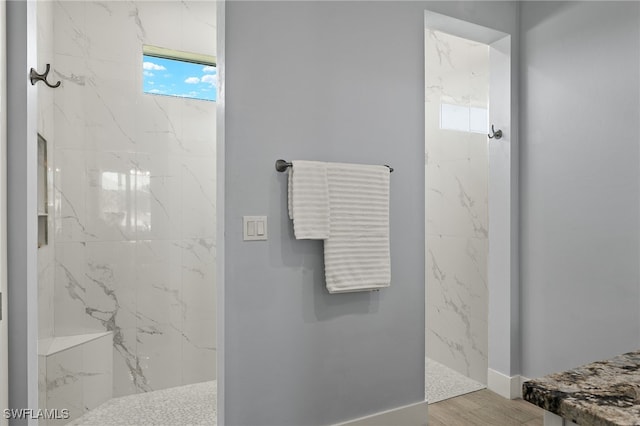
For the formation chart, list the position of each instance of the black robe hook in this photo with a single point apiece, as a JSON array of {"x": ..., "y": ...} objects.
[
  {"x": 497, "y": 134},
  {"x": 35, "y": 77}
]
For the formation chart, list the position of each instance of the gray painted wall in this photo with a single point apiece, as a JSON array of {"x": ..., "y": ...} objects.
[
  {"x": 21, "y": 208},
  {"x": 4, "y": 352},
  {"x": 334, "y": 81},
  {"x": 579, "y": 182}
]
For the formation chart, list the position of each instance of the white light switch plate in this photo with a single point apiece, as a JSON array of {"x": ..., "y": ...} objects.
[{"x": 254, "y": 228}]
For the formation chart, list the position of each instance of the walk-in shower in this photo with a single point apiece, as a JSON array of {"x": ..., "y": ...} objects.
[
  {"x": 456, "y": 208},
  {"x": 126, "y": 275}
]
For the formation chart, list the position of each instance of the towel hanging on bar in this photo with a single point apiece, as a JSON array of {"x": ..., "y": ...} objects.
[
  {"x": 347, "y": 206},
  {"x": 357, "y": 254},
  {"x": 308, "y": 200}
]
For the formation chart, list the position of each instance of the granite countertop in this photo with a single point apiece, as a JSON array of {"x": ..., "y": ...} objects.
[{"x": 602, "y": 393}]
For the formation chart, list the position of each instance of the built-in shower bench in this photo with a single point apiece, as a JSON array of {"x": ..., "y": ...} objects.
[
  {"x": 602, "y": 393},
  {"x": 75, "y": 373}
]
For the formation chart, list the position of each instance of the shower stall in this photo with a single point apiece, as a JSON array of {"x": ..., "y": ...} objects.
[
  {"x": 126, "y": 201},
  {"x": 456, "y": 202}
]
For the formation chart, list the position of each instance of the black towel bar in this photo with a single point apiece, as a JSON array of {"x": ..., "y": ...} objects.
[{"x": 282, "y": 165}]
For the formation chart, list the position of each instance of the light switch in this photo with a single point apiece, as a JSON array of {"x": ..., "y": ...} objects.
[{"x": 255, "y": 228}]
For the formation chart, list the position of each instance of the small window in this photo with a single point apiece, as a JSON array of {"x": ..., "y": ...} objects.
[
  {"x": 463, "y": 118},
  {"x": 182, "y": 74}
]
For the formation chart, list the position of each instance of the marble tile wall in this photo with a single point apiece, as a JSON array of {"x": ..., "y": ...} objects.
[
  {"x": 456, "y": 222},
  {"x": 78, "y": 377},
  {"x": 46, "y": 129},
  {"x": 46, "y": 259},
  {"x": 134, "y": 192}
]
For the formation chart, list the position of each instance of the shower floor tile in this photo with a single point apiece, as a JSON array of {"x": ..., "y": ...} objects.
[
  {"x": 196, "y": 404},
  {"x": 443, "y": 383},
  {"x": 184, "y": 405}
]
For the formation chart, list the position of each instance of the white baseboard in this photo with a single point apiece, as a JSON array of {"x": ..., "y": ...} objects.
[
  {"x": 409, "y": 415},
  {"x": 509, "y": 387}
]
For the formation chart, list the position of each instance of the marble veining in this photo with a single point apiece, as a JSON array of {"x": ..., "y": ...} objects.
[
  {"x": 602, "y": 393},
  {"x": 132, "y": 234},
  {"x": 456, "y": 207},
  {"x": 76, "y": 375},
  {"x": 171, "y": 127}
]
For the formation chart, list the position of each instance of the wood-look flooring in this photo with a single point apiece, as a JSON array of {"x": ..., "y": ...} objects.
[{"x": 484, "y": 408}]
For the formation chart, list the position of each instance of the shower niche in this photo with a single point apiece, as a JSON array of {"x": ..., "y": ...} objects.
[{"x": 43, "y": 199}]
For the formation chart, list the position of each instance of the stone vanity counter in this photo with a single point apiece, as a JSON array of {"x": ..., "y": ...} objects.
[{"x": 601, "y": 393}]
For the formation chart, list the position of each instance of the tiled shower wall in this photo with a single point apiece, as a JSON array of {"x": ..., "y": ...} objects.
[
  {"x": 46, "y": 129},
  {"x": 456, "y": 168},
  {"x": 133, "y": 197}
]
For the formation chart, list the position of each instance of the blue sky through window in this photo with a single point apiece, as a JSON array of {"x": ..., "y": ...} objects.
[{"x": 172, "y": 77}]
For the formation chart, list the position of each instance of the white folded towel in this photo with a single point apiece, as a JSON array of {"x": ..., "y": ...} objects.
[
  {"x": 309, "y": 199},
  {"x": 356, "y": 254}
]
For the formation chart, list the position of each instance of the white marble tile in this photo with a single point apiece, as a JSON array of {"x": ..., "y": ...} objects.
[
  {"x": 198, "y": 279},
  {"x": 112, "y": 187},
  {"x": 199, "y": 128},
  {"x": 44, "y": 13},
  {"x": 44, "y": 17},
  {"x": 479, "y": 82},
  {"x": 451, "y": 206},
  {"x": 159, "y": 282},
  {"x": 476, "y": 182},
  {"x": 64, "y": 384},
  {"x": 456, "y": 304},
  {"x": 97, "y": 358},
  {"x": 198, "y": 351},
  {"x": 434, "y": 199},
  {"x": 134, "y": 204},
  {"x": 111, "y": 275},
  {"x": 122, "y": 44},
  {"x": 105, "y": 300},
  {"x": 199, "y": 315},
  {"x": 456, "y": 201},
  {"x": 158, "y": 203},
  {"x": 57, "y": 344},
  {"x": 69, "y": 103},
  {"x": 160, "y": 124},
  {"x": 445, "y": 145},
  {"x": 42, "y": 384},
  {"x": 198, "y": 197},
  {"x": 111, "y": 113},
  {"x": 456, "y": 66},
  {"x": 154, "y": 16},
  {"x": 69, "y": 28},
  {"x": 46, "y": 272},
  {"x": 79, "y": 378},
  {"x": 72, "y": 293},
  {"x": 437, "y": 51},
  {"x": 199, "y": 17},
  {"x": 128, "y": 377},
  {"x": 159, "y": 359},
  {"x": 479, "y": 150},
  {"x": 46, "y": 110},
  {"x": 69, "y": 196},
  {"x": 93, "y": 287}
]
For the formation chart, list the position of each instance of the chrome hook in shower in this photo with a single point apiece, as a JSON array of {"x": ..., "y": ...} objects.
[
  {"x": 495, "y": 134},
  {"x": 35, "y": 77}
]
